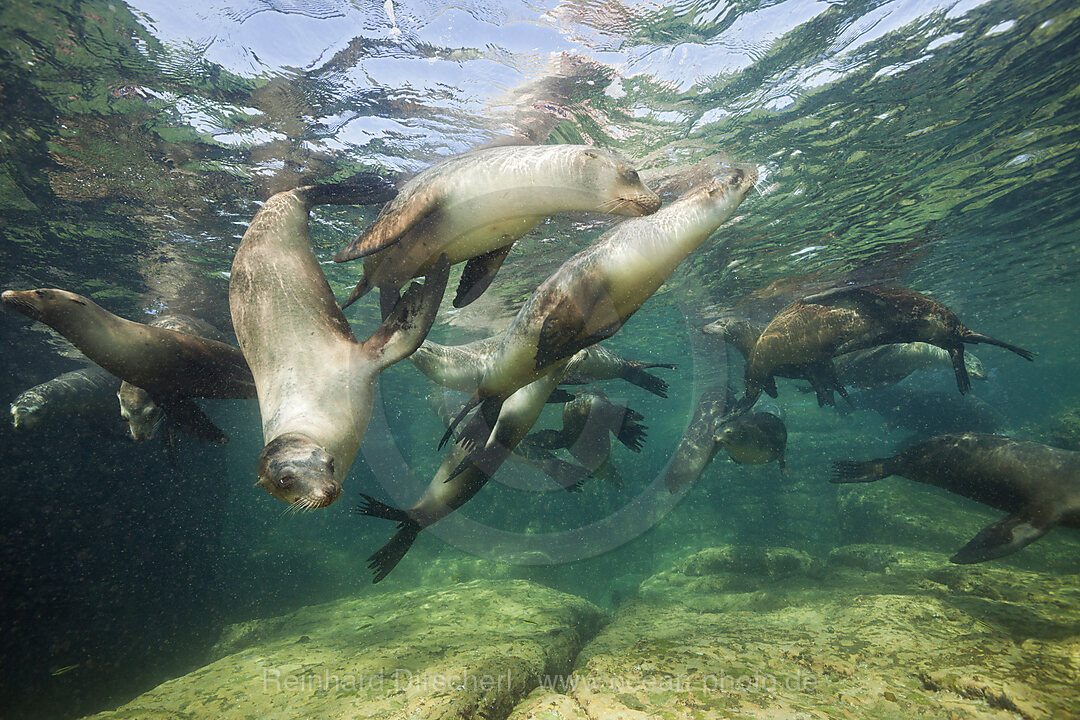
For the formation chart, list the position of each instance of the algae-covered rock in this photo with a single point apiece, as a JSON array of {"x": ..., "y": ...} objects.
[
  {"x": 469, "y": 651},
  {"x": 878, "y": 632},
  {"x": 547, "y": 704}
]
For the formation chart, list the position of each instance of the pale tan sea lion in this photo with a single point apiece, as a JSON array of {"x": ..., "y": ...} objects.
[
  {"x": 315, "y": 381},
  {"x": 164, "y": 362},
  {"x": 461, "y": 367},
  {"x": 597, "y": 290},
  {"x": 473, "y": 207},
  {"x": 1039, "y": 486},
  {"x": 458, "y": 479}
]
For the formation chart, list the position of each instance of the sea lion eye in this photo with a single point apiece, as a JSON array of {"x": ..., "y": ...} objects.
[
  {"x": 39, "y": 293},
  {"x": 286, "y": 481},
  {"x": 632, "y": 176}
]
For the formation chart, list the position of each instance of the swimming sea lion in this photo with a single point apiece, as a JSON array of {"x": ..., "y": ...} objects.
[
  {"x": 597, "y": 290},
  {"x": 474, "y": 207},
  {"x": 588, "y": 420},
  {"x": 886, "y": 365},
  {"x": 461, "y": 367},
  {"x": 88, "y": 393},
  {"x": 754, "y": 439},
  {"x": 137, "y": 406},
  {"x": 928, "y": 412},
  {"x": 164, "y": 362},
  {"x": 315, "y": 381},
  {"x": 458, "y": 479},
  {"x": 811, "y": 331},
  {"x": 1039, "y": 486}
]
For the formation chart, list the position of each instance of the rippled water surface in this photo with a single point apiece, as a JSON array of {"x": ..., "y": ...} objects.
[{"x": 933, "y": 143}]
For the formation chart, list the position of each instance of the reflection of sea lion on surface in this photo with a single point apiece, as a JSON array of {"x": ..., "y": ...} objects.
[
  {"x": 588, "y": 420},
  {"x": 597, "y": 290},
  {"x": 473, "y": 207},
  {"x": 748, "y": 438},
  {"x": 315, "y": 381},
  {"x": 87, "y": 394},
  {"x": 1039, "y": 486}
]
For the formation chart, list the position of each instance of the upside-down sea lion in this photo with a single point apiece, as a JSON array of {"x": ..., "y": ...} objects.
[
  {"x": 458, "y": 478},
  {"x": 164, "y": 362},
  {"x": 588, "y": 420},
  {"x": 1039, "y": 486},
  {"x": 811, "y": 331},
  {"x": 597, "y": 290},
  {"x": 315, "y": 381},
  {"x": 137, "y": 406},
  {"x": 476, "y": 205},
  {"x": 88, "y": 393},
  {"x": 461, "y": 367}
]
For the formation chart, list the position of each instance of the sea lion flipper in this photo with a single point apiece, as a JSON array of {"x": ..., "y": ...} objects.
[
  {"x": 973, "y": 337},
  {"x": 631, "y": 433},
  {"x": 558, "y": 395},
  {"x": 390, "y": 225},
  {"x": 956, "y": 354},
  {"x": 406, "y": 327},
  {"x": 478, "y": 274},
  {"x": 647, "y": 381},
  {"x": 186, "y": 416},
  {"x": 387, "y": 558},
  {"x": 1000, "y": 539}
]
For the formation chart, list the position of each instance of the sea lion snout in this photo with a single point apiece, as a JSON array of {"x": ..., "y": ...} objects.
[{"x": 297, "y": 470}]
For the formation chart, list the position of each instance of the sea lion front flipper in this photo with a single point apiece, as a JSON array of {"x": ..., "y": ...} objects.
[
  {"x": 390, "y": 554},
  {"x": 478, "y": 274},
  {"x": 631, "y": 433},
  {"x": 956, "y": 354},
  {"x": 646, "y": 381},
  {"x": 406, "y": 327},
  {"x": 390, "y": 225},
  {"x": 186, "y": 416},
  {"x": 1002, "y": 538},
  {"x": 558, "y": 395}
]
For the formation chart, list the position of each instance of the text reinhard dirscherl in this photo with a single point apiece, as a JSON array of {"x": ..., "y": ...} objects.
[{"x": 276, "y": 681}]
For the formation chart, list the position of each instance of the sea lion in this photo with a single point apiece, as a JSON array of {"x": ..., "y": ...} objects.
[
  {"x": 461, "y": 367},
  {"x": 137, "y": 406},
  {"x": 458, "y": 479},
  {"x": 748, "y": 438},
  {"x": 166, "y": 363},
  {"x": 811, "y": 331},
  {"x": 566, "y": 475},
  {"x": 315, "y": 381},
  {"x": 88, "y": 393},
  {"x": 474, "y": 207},
  {"x": 597, "y": 290},
  {"x": 588, "y": 420},
  {"x": 929, "y": 413},
  {"x": 1039, "y": 486}
]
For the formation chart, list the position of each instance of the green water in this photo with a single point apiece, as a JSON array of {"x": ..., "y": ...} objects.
[{"x": 930, "y": 143}]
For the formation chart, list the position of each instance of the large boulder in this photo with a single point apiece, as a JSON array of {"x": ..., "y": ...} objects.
[{"x": 467, "y": 651}]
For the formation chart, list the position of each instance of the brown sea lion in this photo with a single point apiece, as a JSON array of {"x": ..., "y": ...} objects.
[
  {"x": 597, "y": 290},
  {"x": 588, "y": 421},
  {"x": 473, "y": 207},
  {"x": 88, "y": 394},
  {"x": 315, "y": 381},
  {"x": 458, "y": 479},
  {"x": 1039, "y": 486},
  {"x": 164, "y": 362}
]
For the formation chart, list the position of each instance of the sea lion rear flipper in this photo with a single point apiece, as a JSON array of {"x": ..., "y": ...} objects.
[
  {"x": 387, "y": 558},
  {"x": 389, "y": 297},
  {"x": 1000, "y": 539},
  {"x": 973, "y": 337},
  {"x": 406, "y": 327},
  {"x": 390, "y": 226},
  {"x": 478, "y": 274},
  {"x": 631, "y": 433},
  {"x": 186, "y": 416},
  {"x": 956, "y": 354},
  {"x": 358, "y": 292}
]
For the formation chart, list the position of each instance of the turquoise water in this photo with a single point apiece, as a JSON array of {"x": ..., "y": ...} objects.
[{"x": 931, "y": 143}]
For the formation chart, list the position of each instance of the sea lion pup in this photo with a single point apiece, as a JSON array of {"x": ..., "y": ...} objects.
[
  {"x": 458, "y": 479},
  {"x": 887, "y": 365},
  {"x": 315, "y": 381},
  {"x": 1039, "y": 486},
  {"x": 474, "y": 207},
  {"x": 88, "y": 393},
  {"x": 137, "y": 406},
  {"x": 597, "y": 290},
  {"x": 588, "y": 420},
  {"x": 168, "y": 364},
  {"x": 566, "y": 475},
  {"x": 811, "y": 331},
  {"x": 754, "y": 439},
  {"x": 461, "y": 367}
]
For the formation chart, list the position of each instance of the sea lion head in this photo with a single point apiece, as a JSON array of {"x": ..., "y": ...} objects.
[
  {"x": 975, "y": 369},
  {"x": 43, "y": 303},
  {"x": 297, "y": 470},
  {"x": 139, "y": 410},
  {"x": 617, "y": 184}
]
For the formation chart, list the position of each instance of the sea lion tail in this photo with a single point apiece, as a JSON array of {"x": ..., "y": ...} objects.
[
  {"x": 631, "y": 433},
  {"x": 853, "y": 471},
  {"x": 406, "y": 327},
  {"x": 974, "y": 337},
  {"x": 390, "y": 554},
  {"x": 647, "y": 381},
  {"x": 364, "y": 188}
]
